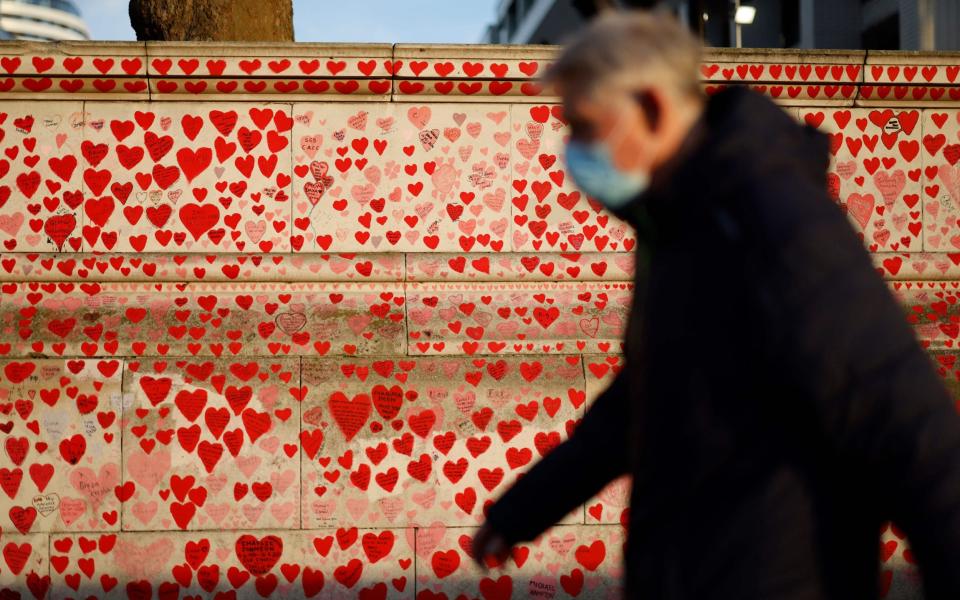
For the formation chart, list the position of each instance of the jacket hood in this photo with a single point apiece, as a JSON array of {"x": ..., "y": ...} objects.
[{"x": 745, "y": 134}]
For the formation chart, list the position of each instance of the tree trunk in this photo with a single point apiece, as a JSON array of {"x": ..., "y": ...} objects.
[{"x": 213, "y": 20}]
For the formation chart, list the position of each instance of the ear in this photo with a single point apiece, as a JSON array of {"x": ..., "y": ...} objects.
[{"x": 651, "y": 104}]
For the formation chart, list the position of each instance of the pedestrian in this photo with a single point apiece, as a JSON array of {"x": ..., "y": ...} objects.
[{"x": 774, "y": 408}]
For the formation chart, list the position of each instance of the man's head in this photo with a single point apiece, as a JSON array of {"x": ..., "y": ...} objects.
[{"x": 630, "y": 83}]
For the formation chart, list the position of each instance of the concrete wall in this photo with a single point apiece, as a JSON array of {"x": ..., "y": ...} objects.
[{"x": 281, "y": 319}]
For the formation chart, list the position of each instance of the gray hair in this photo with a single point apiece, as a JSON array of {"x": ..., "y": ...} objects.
[{"x": 630, "y": 49}]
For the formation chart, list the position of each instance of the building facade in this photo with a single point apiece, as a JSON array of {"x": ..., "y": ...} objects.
[
  {"x": 837, "y": 24},
  {"x": 41, "y": 20}
]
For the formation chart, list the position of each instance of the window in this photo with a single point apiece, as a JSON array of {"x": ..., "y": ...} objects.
[
  {"x": 63, "y": 5},
  {"x": 789, "y": 23},
  {"x": 512, "y": 18},
  {"x": 884, "y": 35}
]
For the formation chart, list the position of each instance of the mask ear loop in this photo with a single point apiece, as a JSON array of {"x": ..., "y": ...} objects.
[
  {"x": 642, "y": 97},
  {"x": 617, "y": 134}
]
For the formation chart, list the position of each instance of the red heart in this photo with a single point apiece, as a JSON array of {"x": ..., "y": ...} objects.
[
  {"x": 199, "y": 218},
  {"x": 258, "y": 556},
  {"x": 350, "y": 573},
  {"x": 256, "y": 423},
  {"x": 445, "y": 562},
  {"x": 572, "y": 583},
  {"x": 423, "y": 422},
  {"x": 23, "y": 517},
  {"x": 16, "y": 556},
  {"x": 312, "y": 582},
  {"x": 73, "y": 448},
  {"x": 591, "y": 556},
  {"x": 350, "y": 415},
  {"x": 191, "y": 403},
  {"x": 310, "y": 441}
]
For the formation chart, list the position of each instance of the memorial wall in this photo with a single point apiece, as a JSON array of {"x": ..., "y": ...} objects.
[{"x": 280, "y": 320}]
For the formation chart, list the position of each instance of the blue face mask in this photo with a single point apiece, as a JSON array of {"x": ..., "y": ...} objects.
[{"x": 592, "y": 169}]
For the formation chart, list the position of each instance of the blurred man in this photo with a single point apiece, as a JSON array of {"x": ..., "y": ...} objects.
[{"x": 774, "y": 408}]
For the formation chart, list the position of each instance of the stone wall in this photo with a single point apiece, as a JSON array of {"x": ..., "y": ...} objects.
[{"x": 282, "y": 319}]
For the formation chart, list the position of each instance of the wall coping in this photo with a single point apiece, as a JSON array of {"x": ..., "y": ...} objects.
[{"x": 298, "y": 71}]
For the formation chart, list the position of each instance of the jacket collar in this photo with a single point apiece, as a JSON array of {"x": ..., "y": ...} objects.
[{"x": 739, "y": 135}]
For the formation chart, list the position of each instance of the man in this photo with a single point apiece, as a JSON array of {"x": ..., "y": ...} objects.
[{"x": 774, "y": 408}]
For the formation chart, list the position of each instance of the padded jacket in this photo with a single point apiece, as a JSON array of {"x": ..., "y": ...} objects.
[{"x": 774, "y": 407}]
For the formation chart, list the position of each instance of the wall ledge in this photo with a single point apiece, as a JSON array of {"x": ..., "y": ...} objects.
[{"x": 298, "y": 71}]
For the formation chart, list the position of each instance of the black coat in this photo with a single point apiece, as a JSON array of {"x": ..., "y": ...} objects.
[{"x": 775, "y": 408}]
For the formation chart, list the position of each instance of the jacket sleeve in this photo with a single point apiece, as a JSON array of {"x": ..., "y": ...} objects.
[
  {"x": 571, "y": 473},
  {"x": 869, "y": 389}
]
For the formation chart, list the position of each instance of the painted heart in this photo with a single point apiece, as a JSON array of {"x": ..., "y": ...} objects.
[
  {"x": 950, "y": 177},
  {"x": 199, "y": 218},
  {"x": 428, "y": 138},
  {"x": 419, "y": 116},
  {"x": 890, "y": 185},
  {"x": 860, "y": 207},
  {"x": 349, "y": 414},
  {"x": 258, "y": 555}
]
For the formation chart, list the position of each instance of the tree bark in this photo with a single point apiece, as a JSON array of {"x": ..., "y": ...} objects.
[{"x": 213, "y": 20}]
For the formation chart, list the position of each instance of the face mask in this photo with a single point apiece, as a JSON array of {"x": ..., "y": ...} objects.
[{"x": 593, "y": 171}]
